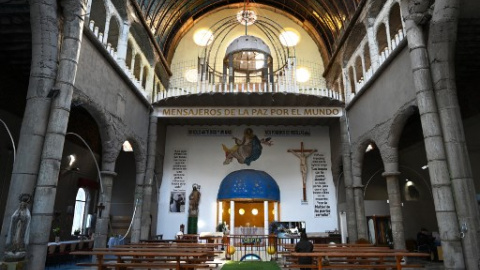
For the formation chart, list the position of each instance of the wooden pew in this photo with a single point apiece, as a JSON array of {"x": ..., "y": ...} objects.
[
  {"x": 346, "y": 249},
  {"x": 355, "y": 260},
  {"x": 210, "y": 251},
  {"x": 134, "y": 258},
  {"x": 177, "y": 244},
  {"x": 148, "y": 265}
]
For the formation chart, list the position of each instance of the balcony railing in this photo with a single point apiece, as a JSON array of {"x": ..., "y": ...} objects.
[{"x": 248, "y": 88}]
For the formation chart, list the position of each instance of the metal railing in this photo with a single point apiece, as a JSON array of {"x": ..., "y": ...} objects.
[{"x": 256, "y": 247}]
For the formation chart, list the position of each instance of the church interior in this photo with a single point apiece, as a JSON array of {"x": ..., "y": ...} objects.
[{"x": 347, "y": 119}]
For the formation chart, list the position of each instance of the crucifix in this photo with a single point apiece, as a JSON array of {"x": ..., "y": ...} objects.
[{"x": 303, "y": 154}]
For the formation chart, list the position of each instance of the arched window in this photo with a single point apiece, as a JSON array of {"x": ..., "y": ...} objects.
[
  {"x": 382, "y": 38},
  {"x": 113, "y": 33},
  {"x": 80, "y": 210},
  {"x": 128, "y": 60},
  {"x": 137, "y": 67},
  {"x": 351, "y": 78},
  {"x": 145, "y": 77},
  {"x": 98, "y": 15},
  {"x": 395, "y": 20}
]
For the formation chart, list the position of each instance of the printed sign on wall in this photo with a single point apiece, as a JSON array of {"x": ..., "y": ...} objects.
[
  {"x": 179, "y": 180},
  {"x": 321, "y": 189}
]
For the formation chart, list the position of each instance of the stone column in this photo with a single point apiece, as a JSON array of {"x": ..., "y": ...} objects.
[
  {"x": 360, "y": 212},
  {"x": 357, "y": 186},
  {"x": 43, "y": 70},
  {"x": 347, "y": 85},
  {"x": 415, "y": 16},
  {"x": 132, "y": 63},
  {"x": 139, "y": 200},
  {"x": 150, "y": 83},
  {"x": 107, "y": 28},
  {"x": 441, "y": 49},
  {"x": 123, "y": 44},
  {"x": 389, "y": 38},
  {"x": 372, "y": 44},
  {"x": 103, "y": 210},
  {"x": 140, "y": 76},
  {"x": 364, "y": 71},
  {"x": 89, "y": 10},
  {"x": 355, "y": 80},
  {"x": 148, "y": 182},
  {"x": 45, "y": 191},
  {"x": 348, "y": 179},
  {"x": 395, "y": 204}
]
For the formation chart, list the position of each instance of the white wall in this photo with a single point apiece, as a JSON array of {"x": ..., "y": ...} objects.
[{"x": 205, "y": 167}]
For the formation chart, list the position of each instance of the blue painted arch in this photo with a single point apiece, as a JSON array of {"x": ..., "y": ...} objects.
[{"x": 248, "y": 185}]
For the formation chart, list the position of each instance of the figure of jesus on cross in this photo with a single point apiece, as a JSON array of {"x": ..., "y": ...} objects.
[{"x": 303, "y": 154}]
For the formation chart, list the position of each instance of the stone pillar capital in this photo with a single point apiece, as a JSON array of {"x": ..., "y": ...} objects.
[
  {"x": 387, "y": 174},
  {"x": 108, "y": 173}
]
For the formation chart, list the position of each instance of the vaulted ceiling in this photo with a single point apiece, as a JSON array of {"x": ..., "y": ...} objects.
[{"x": 324, "y": 20}]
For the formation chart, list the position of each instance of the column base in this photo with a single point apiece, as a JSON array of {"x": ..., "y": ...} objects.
[{"x": 12, "y": 265}]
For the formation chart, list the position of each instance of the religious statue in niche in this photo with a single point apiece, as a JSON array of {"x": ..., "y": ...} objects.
[
  {"x": 194, "y": 201},
  {"x": 303, "y": 154},
  {"x": 17, "y": 238},
  {"x": 247, "y": 149}
]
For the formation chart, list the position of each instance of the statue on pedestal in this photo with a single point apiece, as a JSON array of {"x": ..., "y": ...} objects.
[
  {"x": 194, "y": 201},
  {"x": 17, "y": 238}
]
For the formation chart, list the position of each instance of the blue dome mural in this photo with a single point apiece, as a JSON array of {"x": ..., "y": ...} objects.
[{"x": 249, "y": 184}]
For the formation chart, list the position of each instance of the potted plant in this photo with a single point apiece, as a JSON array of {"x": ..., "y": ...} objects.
[
  {"x": 76, "y": 232},
  {"x": 56, "y": 233}
]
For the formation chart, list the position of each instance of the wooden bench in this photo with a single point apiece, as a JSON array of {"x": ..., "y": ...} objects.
[
  {"x": 149, "y": 265},
  {"x": 335, "y": 245},
  {"x": 179, "y": 260},
  {"x": 289, "y": 259},
  {"x": 173, "y": 244},
  {"x": 354, "y": 260}
]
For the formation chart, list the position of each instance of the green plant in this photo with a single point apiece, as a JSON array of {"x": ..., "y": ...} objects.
[
  {"x": 76, "y": 232},
  {"x": 56, "y": 231}
]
